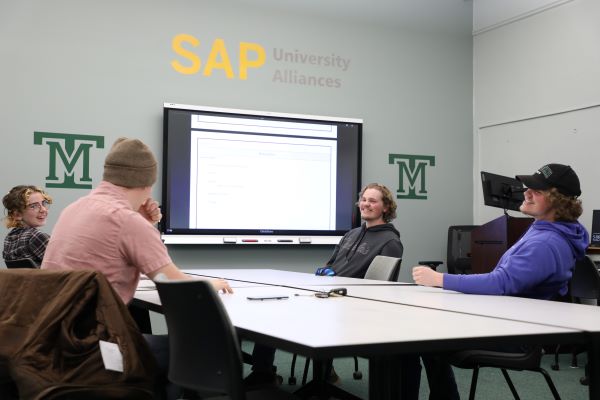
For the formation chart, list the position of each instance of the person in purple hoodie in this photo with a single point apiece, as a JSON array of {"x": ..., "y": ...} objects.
[{"x": 540, "y": 264}]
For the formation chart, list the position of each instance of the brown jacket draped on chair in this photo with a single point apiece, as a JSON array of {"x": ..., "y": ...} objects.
[{"x": 50, "y": 326}]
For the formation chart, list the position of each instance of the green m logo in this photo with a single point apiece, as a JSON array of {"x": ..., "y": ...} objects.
[
  {"x": 66, "y": 152},
  {"x": 411, "y": 184}
]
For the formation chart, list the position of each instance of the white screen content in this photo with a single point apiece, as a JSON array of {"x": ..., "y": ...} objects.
[{"x": 256, "y": 174}]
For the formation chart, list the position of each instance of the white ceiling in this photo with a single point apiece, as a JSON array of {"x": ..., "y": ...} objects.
[{"x": 449, "y": 16}]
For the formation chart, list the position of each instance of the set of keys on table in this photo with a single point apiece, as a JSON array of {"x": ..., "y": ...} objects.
[{"x": 337, "y": 292}]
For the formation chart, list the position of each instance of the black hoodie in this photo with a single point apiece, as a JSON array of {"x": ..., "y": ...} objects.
[{"x": 358, "y": 247}]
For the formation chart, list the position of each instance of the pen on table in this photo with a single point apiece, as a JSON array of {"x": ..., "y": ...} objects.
[{"x": 261, "y": 298}]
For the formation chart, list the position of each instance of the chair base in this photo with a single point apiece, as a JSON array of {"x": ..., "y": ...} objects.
[
  {"x": 323, "y": 390},
  {"x": 357, "y": 375},
  {"x": 510, "y": 384},
  {"x": 320, "y": 388}
]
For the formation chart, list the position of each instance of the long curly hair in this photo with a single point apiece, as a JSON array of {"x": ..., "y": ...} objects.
[
  {"x": 16, "y": 201},
  {"x": 566, "y": 208}
]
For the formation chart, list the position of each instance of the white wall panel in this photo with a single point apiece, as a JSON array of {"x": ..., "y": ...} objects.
[{"x": 537, "y": 97}]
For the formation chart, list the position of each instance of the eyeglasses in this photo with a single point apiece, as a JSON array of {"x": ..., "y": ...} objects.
[{"x": 38, "y": 206}]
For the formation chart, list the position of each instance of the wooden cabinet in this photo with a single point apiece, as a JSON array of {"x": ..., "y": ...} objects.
[{"x": 489, "y": 241}]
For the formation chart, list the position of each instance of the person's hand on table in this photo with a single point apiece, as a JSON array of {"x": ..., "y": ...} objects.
[
  {"x": 221, "y": 285},
  {"x": 426, "y": 276}
]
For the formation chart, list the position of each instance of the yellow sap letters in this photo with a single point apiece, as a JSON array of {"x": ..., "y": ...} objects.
[{"x": 251, "y": 55}]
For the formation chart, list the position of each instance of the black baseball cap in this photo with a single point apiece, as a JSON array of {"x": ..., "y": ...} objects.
[{"x": 559, "y": 176}]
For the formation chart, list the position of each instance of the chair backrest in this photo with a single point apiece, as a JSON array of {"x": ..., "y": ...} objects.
[
  {"x": 40, "y": 308},
  {"x": 459, "y": 249},
  {"x": 204, "y": 351},
  {"x": 384, "y": 268},
  {"x": 585, "y": 283},
  {"x": 21, "y": 263}
]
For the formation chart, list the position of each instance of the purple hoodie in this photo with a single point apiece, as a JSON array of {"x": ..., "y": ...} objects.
[{"x": 538, "y": 266}]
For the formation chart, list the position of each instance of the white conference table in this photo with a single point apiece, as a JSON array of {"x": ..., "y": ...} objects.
[
  {"x": 581, "y": 317},
  {"x": 576, "y": 316},
  {"x": 285, "y": 278},
  {"x": 568, "y": 315},
  {"x": 380, "y": 323},
  {"x": 148, "y": 284},
  {"x": 344, "y": 326}
]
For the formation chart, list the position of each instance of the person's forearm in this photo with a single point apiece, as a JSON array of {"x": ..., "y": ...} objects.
[{"x": 170, "y": 271}]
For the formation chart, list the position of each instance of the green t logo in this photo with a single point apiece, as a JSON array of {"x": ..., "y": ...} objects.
[
  {"x": 411, "y": 173},
  {"x": 65, "y": 153}
]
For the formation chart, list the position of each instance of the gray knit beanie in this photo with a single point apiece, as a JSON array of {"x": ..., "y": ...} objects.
[{"x": 130, "y": 163}]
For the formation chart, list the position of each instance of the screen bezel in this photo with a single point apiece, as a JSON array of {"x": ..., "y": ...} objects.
[{"x": 172, "y": 235}]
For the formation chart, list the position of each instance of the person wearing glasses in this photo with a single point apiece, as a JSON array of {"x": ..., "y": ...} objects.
[{"x": 26, "y": 210}]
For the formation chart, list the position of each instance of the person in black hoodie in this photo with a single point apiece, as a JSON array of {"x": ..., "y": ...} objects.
[
  {"x": 375, "y": 237},
  {"x": 350, "y": 258}
]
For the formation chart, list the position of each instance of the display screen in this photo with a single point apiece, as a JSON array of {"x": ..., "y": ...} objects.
[
  {"x": 248, "y": 177},
  {"x": 501, "y": 191}
]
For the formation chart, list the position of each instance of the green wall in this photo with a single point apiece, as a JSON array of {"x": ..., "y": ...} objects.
[{"x": 104, "y": 68}]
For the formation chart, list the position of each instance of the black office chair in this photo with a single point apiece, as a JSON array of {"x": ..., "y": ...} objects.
[
  {"x": 527, "y": 361},
  {"x": 585, "y": 283},
  {"x": 382, "y": 268},
  {"x": 458, "y": 257},
  {"x": 204, "y": 350},
  {"x": 431, "y": 264},
  {"x": 458, "y": 253},
  {"x": 21, "y": 263},
  {"x": 584, "y": 288}
]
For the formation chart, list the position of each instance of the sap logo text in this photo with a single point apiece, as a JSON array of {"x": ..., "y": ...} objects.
[
  {"x": 250, "y": 55},
  {"x": 411, "y": 171},
  {"x": 66, "y": 153}
]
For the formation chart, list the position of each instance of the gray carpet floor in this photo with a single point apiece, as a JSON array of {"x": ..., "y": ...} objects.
[{"x": 491, "y": 386}]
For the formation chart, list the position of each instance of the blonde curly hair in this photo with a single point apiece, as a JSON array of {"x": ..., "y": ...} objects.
[
  {"x": 386, "y": 196},
  {"x": 16, "y": 202},
  {"x": 566, "y": 208}
]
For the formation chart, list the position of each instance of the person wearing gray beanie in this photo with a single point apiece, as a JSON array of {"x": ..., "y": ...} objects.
[
  {"x": 112, "y": 230},
  {"x": 131, "y": 164}
]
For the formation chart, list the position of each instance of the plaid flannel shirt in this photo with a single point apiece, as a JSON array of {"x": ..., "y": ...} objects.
[{"x": 25, "y": 243}]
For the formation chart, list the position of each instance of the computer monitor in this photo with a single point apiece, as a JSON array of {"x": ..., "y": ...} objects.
[
  {"x": 595, "y": 237},
  {"x": 501, "y": 191},
  {"x": 235, "y": 176}
]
